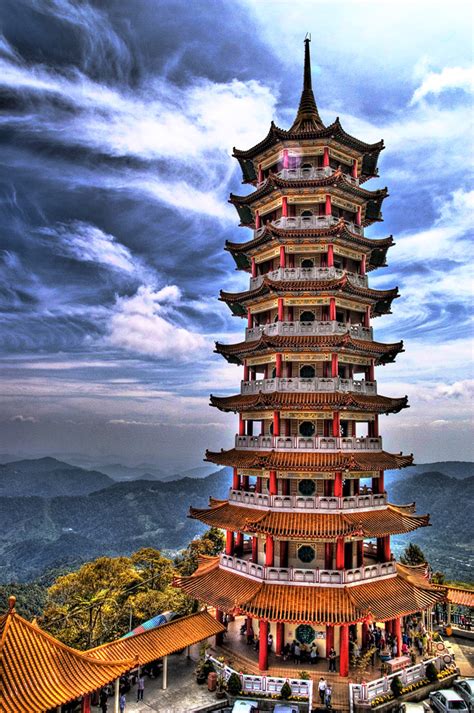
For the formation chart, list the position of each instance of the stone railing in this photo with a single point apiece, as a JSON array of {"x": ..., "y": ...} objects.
[
  {"x": 302, "y": 384},
  {"x": 303, "y": 576},
  {"x": 319, "y": 329},
  {"x": 266, "y": 686},
  {"x": 309, "y": 273},
  {"x": 307, "y": 222},
  {"x": 298, "y": 174},
  {"x": 315, "y": 443},
  {"x": 307, "y": 502}
]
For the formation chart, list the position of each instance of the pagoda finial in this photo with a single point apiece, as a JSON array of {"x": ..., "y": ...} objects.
[{"x": 307, "y": 118}]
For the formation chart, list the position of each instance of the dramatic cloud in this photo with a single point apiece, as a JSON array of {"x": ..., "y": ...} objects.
[{"x": 449, "y": 78}]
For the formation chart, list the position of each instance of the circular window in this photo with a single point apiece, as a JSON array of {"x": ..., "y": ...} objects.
[
  {"x": 307, "y": 317},
  {"x": 306, "y": 213},
  {"x": 307, "y": 263},
  {"x": 307, "y": 487},
  {"x": 305, "y": 634},
  {"x": 306, "y": 553},
  {"x": 307, "y": 429},
  {"x": 307, "y": 372}
]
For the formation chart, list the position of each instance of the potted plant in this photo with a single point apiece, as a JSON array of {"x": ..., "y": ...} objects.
[
  {"x": 221, "y": 686},
  {"x": 234, "y": 685}
]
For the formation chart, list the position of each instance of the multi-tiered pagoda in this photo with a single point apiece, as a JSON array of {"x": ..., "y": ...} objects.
[{"x": 307, "y": 521}]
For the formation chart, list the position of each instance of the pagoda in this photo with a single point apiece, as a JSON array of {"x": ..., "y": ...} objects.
[{"x": 307, "y": 520}]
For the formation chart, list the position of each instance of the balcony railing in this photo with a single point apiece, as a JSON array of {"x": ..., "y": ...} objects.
[
  {"x": 309, "y": 273},
  {"x": 307, "y": 502},
  {"x": 302, "y": 385},
  {"x": 319, "y": 329},
  {"x": 312, "y": 173},
  {"x": 297, "y": 575},
  {"x": 315, "y": 443},
  {"x": 306, "y": 222}
]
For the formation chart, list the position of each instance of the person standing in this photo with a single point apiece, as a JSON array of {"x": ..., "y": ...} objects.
[
  {"x": 332, "y": 659},
  {"x": 140, "y": 687},
  {"x": 322, "y": 685},
  {"x": 103, "y": 700},
  {"x": 328, "y": 696}
]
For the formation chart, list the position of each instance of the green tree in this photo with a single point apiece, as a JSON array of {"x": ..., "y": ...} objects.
[
  {"x": 210, "y": 543},
  {"x": 412, "y": 555}
]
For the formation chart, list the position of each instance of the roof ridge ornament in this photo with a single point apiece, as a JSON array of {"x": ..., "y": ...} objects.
[{"x": 307, "y": 118}]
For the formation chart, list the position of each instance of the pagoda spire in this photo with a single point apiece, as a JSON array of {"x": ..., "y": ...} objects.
[{"x": 307, "y": 118}]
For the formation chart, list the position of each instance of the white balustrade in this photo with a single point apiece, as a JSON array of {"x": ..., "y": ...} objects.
[
  {"x": 307, "y": 222},
  {"x": 309, "y": 273},
  {"x": 310, "y": 173},
  {"x": 301, "y": 384},
  {"x": 303, "y": 575},
  {"x": 318, "y": 329},
  {"x": 315, "y": 443},
  {"x": 307, "y": 502}
]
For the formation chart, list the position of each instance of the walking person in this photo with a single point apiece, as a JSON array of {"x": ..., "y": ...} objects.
[
  {"x": 103, "y": 697},
  {"x": 322, "y": 685},
  {"x": 328, "y": 696},
  {"x": 332, "y": 659},
  {"x": 140, "y": 687},
  {"x": 122, "y": 702}
]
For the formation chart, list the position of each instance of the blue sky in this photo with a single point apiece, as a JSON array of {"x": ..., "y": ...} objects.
[{"x": 117, "y": 126}]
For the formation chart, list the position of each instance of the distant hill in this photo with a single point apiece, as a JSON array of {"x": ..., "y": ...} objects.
[
  {"x": 453, "y": 468},
  {"x": 124, "y": 472},
  {"x": 48, "y": 477}
]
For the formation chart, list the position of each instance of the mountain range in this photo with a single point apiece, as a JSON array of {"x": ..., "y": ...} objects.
[{"x": 54, "y": 514}]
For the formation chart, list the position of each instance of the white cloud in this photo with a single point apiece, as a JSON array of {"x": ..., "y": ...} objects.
[
  {"x": 140, "y": 324},
  {"x": 23, "y": 419},
  {"x": 448, "y": 78}
]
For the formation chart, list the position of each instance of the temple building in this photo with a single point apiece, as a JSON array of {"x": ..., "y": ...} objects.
[{"x": 308, "y": 521}]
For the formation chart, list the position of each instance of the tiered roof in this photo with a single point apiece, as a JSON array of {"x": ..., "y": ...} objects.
[
  {"x": 324, "y": 401},
  {"x": 336, "y": 343},
  {"x": 380, "y": 300},
  {"x": 338, "y": 233},
  {"x": 310, "y": 462},
  {"x": 320, "y": 527},
  {"x": 380, "y": 600}
]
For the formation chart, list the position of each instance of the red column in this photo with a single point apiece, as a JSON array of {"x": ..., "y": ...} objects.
[
  {"x": 278, "y": 365},
  {"x": 326, "y": 157},
  {"x": 285, "y": 158},
  {"x": 367, "y": 317},
  {"x": 354, "y": 168},
  {"x": 229, "y": 543},
  {"x": 327, "y": 205},
  {"x": 375, "y": 426},
  {"x": 372, "y": 371},
  {"x": 328, "y": 555},
  {"x": 336, "y": 424},
  {"x": 249, "y": 319},
  {"x": 280, "y": 309},
  {"x": 246, "y": 372},
  {"x": 388, "y": 626},
  {"x": 329, "y": 639},
  {"x": 86, "y": 704},
  {"x": 280, "y": 638},
  {"x": 260, "y": 173},
  {"x": 258, "y": 485},
  {"x": 254, "y": 549},
  {"x": 365, "y": 632},
  {"x": 263, "y": 646},
  {"x": 330, "y": 255},
  {"x": 283, "y": 553},
  {"x": 387, "y": 555},
  {"x": 220, "y": 618},
  {"x": 248, "y": 626},
  {"x": 378, "y": 485},
  {"x": 340, "y": 553},
  {"x": 397, "y": 631},
  {"x": 269, "y": 551},
  {"x": 358, "y": 216},
  {"x": 282, "y": 256},
  {"x": 254, "y": 267},
  {"x": 258, "y": 222},
  {"x": 360, "y": 553},
  {"x": 241, "y": 425},
  {"x": 285, "y": 486},
  {"x": 284, "y": 207},
  {"x": 273, "y": 486},
  {"x": 235, "y": 480},
  {"x": 245, "y": 482},
  {"x": 344, "y": 650},
  {"x": 239, "y": 544},
  {"x": 363, "y": 265},
  {"x": 338, "y": 485},
  {"x": 334, "y": 365},
  {"x": 332, "y": 309},
  {"x": 276, "y": 423}
]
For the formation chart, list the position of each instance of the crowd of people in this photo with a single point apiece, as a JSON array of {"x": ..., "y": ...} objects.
[{"x": 127, "y": 681}]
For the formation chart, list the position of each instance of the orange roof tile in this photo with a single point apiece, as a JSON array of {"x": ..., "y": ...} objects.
[
  {"x": 383, "y": 599},
  {"x": 38, "y": 672},
  {"x": 161, "y": 641},
  {"x": 461, "y": 597},
  {"x": 327, "y": 462},
  {"x": 320, "y": 400},
  {"x": 310, "y": 526}
]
